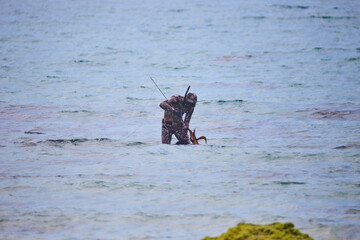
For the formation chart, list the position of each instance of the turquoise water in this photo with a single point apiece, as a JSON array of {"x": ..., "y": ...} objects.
[{"x": 279, "y": 101}]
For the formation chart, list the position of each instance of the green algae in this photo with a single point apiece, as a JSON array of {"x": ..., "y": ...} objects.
[{"x": 274, "y": 231}]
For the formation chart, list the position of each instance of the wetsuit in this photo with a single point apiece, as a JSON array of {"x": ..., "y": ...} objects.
[{"x": 173, "y": 122}]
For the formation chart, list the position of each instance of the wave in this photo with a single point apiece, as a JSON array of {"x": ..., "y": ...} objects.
[
  {"x": 335, "y": 114},
  {"x": 74, "y": 141},
  {"x": 353, "y": 59},
  {"x": 75, "y": 111},
  {"x": 221, "y": 102},
  {"x": 135, "y": 143},
  {"x": 230, "y": 101},
  {"x": 254, "y": 17},
  {"x": 333, "y": 17},
  {"x": 177, "y": 10},
  {"x": 49, "y": 76},
  {"x": 321, "y": 17},
  {"x": 88, "y": 62},
  {"x": 28, "y": 142},
  {"x": 82, "y": 61},
  {"x": 292, "y": 7},
  {"x": 134, "y": 99},
  {"x": 33, "y": 132},
  {"x": 289, "y": 183},
  {"x": 348, "y": 146}
]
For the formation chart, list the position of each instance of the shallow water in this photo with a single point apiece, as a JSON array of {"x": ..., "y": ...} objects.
[{"x": 279, "y": 101}]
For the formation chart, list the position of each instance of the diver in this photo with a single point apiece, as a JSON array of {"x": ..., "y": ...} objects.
[{"x": 173, "y": 122}]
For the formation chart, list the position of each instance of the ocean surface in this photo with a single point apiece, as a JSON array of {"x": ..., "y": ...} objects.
[{"x": 278, "y": 85}]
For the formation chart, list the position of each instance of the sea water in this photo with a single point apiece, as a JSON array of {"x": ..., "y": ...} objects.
[{"x": 278, "y": 99}]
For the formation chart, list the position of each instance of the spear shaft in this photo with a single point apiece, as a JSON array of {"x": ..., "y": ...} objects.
[{"x": 158, "y": 87}]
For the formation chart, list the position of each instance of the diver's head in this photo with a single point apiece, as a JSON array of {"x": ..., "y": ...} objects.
[{"x": 190, "y": 100}]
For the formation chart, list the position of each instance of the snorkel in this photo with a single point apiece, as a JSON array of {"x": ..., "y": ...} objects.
[{"x": 186, "y": 93}]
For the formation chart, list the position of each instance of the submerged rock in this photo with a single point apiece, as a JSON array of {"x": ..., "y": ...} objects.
[{"x": 274, "y": 231}]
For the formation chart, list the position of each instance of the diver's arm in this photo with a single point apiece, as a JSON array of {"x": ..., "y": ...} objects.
[
  {"x": 166, "y": 106},
  {"x": 188, "y": 116}
]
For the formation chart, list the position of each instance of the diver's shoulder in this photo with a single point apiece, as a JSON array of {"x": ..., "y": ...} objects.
[{"x": 176, "y": 97}]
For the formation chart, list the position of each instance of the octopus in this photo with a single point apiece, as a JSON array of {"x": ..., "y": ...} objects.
[{"x": 194, "y": 139}]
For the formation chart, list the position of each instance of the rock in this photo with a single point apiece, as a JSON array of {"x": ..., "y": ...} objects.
[{"x": 274, "y": 231}]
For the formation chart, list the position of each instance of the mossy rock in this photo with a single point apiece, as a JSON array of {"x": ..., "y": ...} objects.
[{"x": 274, "y": 231}]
